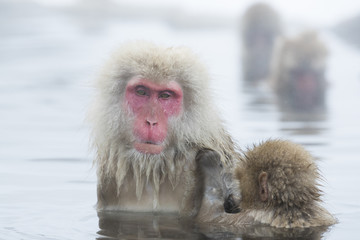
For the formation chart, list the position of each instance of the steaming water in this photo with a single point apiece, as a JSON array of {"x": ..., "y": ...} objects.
[{"x": 47, "y": 183}]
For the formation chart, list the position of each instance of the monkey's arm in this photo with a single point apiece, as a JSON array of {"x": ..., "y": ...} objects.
[{"x": 218, "y": 189}]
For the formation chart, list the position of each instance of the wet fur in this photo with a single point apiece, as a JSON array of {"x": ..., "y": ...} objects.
[
  {"x": 122, "y": 170},
  {"x": 293, "y": 182}
]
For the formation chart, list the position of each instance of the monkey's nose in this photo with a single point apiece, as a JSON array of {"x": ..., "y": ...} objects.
[{"x": 151, "y": 122}]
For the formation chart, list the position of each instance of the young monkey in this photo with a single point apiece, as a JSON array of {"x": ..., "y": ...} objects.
[{"x": 278, "y": 182}]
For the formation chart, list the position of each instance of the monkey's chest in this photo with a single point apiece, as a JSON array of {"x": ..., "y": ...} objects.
[{"x": 166, "y": 199}]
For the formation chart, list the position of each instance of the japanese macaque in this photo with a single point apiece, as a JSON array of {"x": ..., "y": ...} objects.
[
  {"x": 261, "y": 25},
  {"x": 278, "y": 182},
  {"x": 298, "y": 72},
  {"x": 279, "y": 186},
  {"x": 151, "y": 115}
]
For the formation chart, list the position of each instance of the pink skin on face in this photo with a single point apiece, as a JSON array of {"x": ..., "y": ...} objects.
[
  {"x": 306, "y": 85},
  {"x": 152, "y": 105}
]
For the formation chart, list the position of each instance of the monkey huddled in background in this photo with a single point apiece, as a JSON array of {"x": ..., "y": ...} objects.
[
  {"x": 298, "y": 72},
  {"x": 261, "y": 25},
  {"x": 294, "y": 66}
]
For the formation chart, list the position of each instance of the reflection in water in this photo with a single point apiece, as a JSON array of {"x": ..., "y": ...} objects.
[
  {"x": 293, "y": 122},
  {"x": 124, "y": 225},
  {"x": 303, "y": 129},
  {"x": 311, "y": 116},
  {"x": 265, "y": 232},
  {"x": 303, "y": 123},
  {"x": 259, "y": 97}
]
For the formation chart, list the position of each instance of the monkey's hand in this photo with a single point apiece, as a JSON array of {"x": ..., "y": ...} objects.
[
  {"x": 208, "y": 160},
  {"x": 231, "y": 204},
  {"x": 209, "y": 173},
  {"x": 217, "y": 181}
]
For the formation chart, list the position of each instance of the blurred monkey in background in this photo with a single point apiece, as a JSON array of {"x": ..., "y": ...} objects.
[
  {"x": 261, "y": 25},
  {"x": 298, "y": 72}
]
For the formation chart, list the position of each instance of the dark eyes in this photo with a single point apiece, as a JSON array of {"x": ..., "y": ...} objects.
[
  {"x": 142, "y": 91},
  {"x": 164, "y": 95}
]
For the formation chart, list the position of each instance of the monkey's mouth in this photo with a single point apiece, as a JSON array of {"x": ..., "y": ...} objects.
[
  {"x": 150, "y": 142},
  {"x": 149, "y": 147}
]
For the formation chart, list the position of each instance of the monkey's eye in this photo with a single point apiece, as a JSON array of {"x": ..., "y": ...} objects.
[
  {"x": 140, "y": 91},
  {"x": 164, "y": 95}
]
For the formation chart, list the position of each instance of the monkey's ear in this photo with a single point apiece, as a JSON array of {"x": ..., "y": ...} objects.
[{"x": 263, "y": 186}]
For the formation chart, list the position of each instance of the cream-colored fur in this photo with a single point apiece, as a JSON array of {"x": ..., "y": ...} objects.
[{"x": 130, "y": 180}]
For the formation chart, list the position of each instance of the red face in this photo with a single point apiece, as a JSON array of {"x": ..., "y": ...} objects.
[
  {"x": 306, "y": 86},
  {"x": 152, "y": 104}
]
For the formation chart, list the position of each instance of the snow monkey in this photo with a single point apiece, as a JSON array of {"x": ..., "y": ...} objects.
[
  {"x": 298, "y": 72},
  {"x": 279, "y": 187},
  {"x": 152, "y": 114},
  {"x": 261, "y": 25}
]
